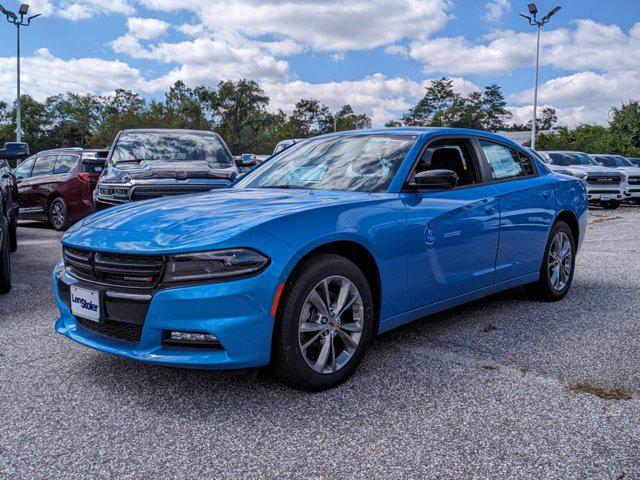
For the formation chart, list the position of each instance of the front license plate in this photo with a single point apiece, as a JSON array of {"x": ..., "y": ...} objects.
[
  {"x": 85, "y": 303},
  {"x": 605, "y": 197}
]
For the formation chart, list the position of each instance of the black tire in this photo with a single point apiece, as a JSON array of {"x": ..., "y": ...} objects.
[
  {"x": 58, "y": 215},
  {"x": 610, "y": 205},
  {"x": 13, "y": 234},
  {"x": 287, "y": 360},
  {"x": 5, "y": 259},
  {"x": 544, "y": 289}
]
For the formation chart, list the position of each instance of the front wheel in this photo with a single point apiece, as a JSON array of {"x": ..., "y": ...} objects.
[
  {"x": 5, "y": 260},
  {"x": 558, "y": 265},
  {"x": 58, "y": 215},
  {"x": 609, "y": 205},
  {"x": 323, "y": 325}
]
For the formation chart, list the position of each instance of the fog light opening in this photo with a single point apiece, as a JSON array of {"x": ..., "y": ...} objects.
[{"x": 177, "y": 338}]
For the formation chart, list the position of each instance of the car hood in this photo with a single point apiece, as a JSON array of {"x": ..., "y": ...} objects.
[
  {"x": 635, "y": 171},
  {"x": 158, "y": 170},
  {"x": 595, "y": 169},
  {"x": 192, "y": 221}
]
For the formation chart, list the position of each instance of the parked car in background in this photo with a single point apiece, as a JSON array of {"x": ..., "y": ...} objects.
[
  {"x": 309, "y": 255},
  {"x": 14, "y": 152},
  {"x": 631, "y": 171},
  {"x": 605, "y": 186},
  {"x": 284, "y": 144},
  {"x": 5, "y": 258},
  {"x": 551, "y": 166},
  {"x": 152, "y": 163},
  {"x": 57, "y": 185},
  {"x": 635, "y": 161},
  {"x": 9, "y": 204}
]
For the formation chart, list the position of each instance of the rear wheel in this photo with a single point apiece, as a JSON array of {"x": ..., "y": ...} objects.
[
  {"x": 324, "y": 324},
  {"x": 5, "y": 260},
  {"x": 558, "y": 265},
  {"x": 58, "y": 215},
  {"x": 609, "y": 205}
]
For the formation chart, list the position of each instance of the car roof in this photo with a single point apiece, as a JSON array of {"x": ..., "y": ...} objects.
[
  {"x": 565, "y": 151},
  {"x": 424, "y": 132},
  {"x": 166, "y": 130}
]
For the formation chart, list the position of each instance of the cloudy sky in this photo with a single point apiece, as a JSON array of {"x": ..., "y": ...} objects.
[{"x": 377, "y": 55}]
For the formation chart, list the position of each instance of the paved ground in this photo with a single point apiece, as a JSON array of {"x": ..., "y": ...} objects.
[{"x": 489, "y": 390}]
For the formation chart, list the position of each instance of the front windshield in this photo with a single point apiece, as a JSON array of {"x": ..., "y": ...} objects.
[
  {"x": 569, "y": 159},
  {"x": 135, "y": 147},
  {"x": 614, "y": 161},
  {"x": 364, "y": 163}
]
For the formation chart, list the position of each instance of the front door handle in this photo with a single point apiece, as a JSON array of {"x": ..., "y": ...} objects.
[
  {"x": 547, "y": 195},
  {"x": 490, "y": 209}
]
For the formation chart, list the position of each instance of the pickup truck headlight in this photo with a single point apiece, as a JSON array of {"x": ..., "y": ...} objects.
[{"x": 214, "y": 264}]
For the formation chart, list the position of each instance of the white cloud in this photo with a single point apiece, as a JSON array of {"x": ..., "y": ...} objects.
[
  {"x": 83, "y": 9},
  {"x": 43, "y": 75},
  {"x": 496, "y": 9},
  {"x": 330, "y": 25},
  {"x": 590, "y": 45},
  {"x": 147, "y": 28}
]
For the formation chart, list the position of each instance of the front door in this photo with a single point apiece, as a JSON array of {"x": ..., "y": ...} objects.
[{"x": 452, "y": 235}]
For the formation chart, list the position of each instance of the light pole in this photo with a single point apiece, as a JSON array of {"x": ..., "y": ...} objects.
[
  {"x": 533, "y": 20},
  {"x": 13, "y": 18}
]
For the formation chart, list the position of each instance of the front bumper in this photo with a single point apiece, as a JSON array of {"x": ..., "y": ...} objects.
[
  {"x": 604, "y": 193},
  {"x": 236, "y": 312},
  {"x": 633, "y": 193}
]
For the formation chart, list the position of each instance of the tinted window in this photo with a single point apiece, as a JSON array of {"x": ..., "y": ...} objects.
[
  {"x": 24, "y": 169},
  {"x": 613, "y": 161},
  {"x": 453, "y": 155},
  {"x": 171, "y": 147},
  {"x": 93, "y": 166},
  {"x": 65, "y": 163},
  {"x": 363, "y": 163},
  {"x": 568, "y": 159},
  {"x": 505, "y": 162},
  {"x": 44, "y": 165}
]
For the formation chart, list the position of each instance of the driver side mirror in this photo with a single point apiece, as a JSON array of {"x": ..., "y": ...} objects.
[
  {"x": 435, "y": 180},
  {"x": 246, "y": 160}
]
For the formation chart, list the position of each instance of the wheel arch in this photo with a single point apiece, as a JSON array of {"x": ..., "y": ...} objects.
[
  {"x": 360, "y": 255},
  {"x": 570, "y": 219}
]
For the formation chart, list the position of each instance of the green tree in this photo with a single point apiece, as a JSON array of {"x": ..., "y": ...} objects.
[
  {"x": 435, "y": 108},
  {"x": 310, "y": 118},
  {"x": 625, "y": 125},
  {"x": 347, "y": 119},
  {"x": 494, "y": 108},
  {"x": 123, "y": 110}
]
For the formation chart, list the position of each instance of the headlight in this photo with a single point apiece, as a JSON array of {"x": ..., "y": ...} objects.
[{"x": 215, "y": 264}]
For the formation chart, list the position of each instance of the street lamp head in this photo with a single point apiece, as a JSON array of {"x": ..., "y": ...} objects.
[
  {"x": 24, "y": 8},
  {"x": 533, "y": 10},
  {"x": 553, "y": 12}
]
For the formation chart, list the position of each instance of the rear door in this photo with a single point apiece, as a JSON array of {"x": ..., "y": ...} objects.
[
  {"x": 23, "y": 176},
  {"x": 452, "y": 235},
  {"x": 527, "y": 209},
  {"x": 42, "y": 182}
]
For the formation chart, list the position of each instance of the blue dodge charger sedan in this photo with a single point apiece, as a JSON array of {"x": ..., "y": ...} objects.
[{"x": 311, "y": 254}]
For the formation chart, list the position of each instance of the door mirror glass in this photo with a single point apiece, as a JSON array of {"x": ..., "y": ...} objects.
[{"x": 435, "y": 180}]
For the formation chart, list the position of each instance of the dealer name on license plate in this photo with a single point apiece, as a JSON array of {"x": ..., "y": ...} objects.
[{"x": 85, "y": 303}]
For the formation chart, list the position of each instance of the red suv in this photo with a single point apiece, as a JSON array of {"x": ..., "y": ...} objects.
[{"x": 57, "y": 185}]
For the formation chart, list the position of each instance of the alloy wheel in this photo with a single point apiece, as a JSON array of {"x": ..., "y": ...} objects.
[
  {"x": 57, "y": 214},
  {"x": 331, "y": 324},
  {"x": 560, "y": 261}
]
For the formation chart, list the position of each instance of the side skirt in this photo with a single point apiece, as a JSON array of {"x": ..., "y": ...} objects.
[{"x": 418, "y": 313}]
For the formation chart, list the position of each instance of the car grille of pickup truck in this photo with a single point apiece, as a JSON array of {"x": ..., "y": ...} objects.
[
  {"x": 132, "y": 271},
  {"x": 603, "y": 180},
  {"x": 634, "y": 180},
  {"x": 156, "y": 191}
]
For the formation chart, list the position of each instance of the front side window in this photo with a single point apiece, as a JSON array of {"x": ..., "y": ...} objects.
[
  {"x": 135, "y": 147},
  {"x": 569, "y": 159},
  {"x": 614, "y": 161},
  {"x": 65, "y": 163},
  {"x": 451, "y": 154},
  {"x": 44, "y": 165},
  {"x": 24, "y": 169},
  {"x": 364, "y": 163},
  {"x": 505, "y": 162}
]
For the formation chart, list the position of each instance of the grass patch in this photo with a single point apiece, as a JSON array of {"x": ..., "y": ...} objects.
[{"x": 606, "y": 393}]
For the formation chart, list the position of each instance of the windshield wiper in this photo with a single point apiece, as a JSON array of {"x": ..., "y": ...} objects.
[{"x": 284, "y": 187}]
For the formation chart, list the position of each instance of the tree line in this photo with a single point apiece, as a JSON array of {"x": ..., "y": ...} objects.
[{"x": 239, "y": 112}]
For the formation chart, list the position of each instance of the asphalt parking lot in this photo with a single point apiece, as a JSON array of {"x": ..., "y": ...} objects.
[{"x": 501, "y": 388}]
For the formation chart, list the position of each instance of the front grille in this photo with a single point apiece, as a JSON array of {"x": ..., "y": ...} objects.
[
  {"x": 135, "y": 271},
  {"x": 604, "y": 180},
  {"x": 156, "y": 191},
  {"x": 127, "y": 332},
  {"x": 634, "y": 180}
]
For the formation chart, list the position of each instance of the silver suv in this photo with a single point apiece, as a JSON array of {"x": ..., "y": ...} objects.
[{"x": 606, "y": 186}]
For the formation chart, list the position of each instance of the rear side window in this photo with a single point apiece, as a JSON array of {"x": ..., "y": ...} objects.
[
  {"x": 24, "y": 169},
  {"x": 65, "y": 163},
  {"x": 93, "y": 166},
  {"x": 44, "y": 165},
  {"x": 505, "y": 162}
]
